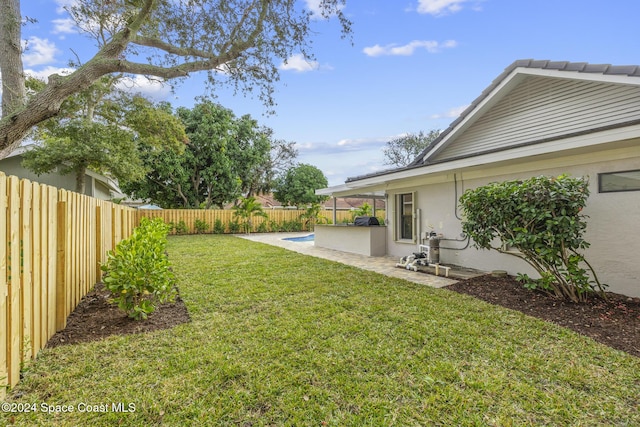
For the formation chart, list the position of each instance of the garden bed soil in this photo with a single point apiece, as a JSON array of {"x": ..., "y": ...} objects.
[
  {"x": 94, "y": 318},
  {"x": 614, "y": 322}
]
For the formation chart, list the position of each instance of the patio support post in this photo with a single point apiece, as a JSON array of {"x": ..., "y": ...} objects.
[{"x": 335, "y": 211}]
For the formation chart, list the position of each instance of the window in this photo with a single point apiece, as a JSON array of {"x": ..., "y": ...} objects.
[
  {"x": 405, "y": 223},
  {"x": 619, "y": 181}
]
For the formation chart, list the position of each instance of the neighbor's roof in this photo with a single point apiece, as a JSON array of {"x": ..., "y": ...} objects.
[{"x": 576, "y": 68}]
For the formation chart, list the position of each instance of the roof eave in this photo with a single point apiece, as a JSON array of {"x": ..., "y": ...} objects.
[{"x": 513, "y": 74}]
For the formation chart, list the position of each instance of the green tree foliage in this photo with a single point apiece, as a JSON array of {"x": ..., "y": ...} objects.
[
  {"x": 225, "y": 158},
  {"x": 297, "y": 187},
  {"x": 102, "y": 130},
  {"x": 538, "y": 220},
  {"x": 405, "y": 149},
  {"x": 238, "y": 43},
  {"x": 247, "y": 209},
  {"x": 272, "y": 165},
  {"x": 138, "y": 273}
]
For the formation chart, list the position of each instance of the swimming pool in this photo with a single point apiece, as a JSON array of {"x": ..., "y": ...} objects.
[{"x": 308, "y": 238}]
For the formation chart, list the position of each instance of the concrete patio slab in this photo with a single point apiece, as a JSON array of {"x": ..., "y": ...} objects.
[{"x": 383, "y": 265}]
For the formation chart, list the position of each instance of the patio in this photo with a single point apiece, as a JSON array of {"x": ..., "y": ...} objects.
[{"x": 383, "y": 264}]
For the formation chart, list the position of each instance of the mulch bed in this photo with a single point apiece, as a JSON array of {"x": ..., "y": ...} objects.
[
  {"x": 94, "y": 318},
  {"x": 614, "y": 322}
]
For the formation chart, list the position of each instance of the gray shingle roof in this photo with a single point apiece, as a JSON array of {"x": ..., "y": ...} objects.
[{"x": 581, "y": 67}]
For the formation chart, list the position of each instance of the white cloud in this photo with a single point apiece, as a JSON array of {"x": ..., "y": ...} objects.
[
  {"x": 440, "y": 7},
  {"x": 451, "y": 114},
  {"x": 64, "y": 26},
  {"x": 316, "y": 10},
  {"x": 344, "y": 158},
  {"x": 359, "y": 144},
  {"x": 408, "y": 49},
  {"x": 149, "y": 88},
  {"x": 62, "y": 4},
  {"x": 46, "y": 72},
  {"x": 38, "y": 51},
  {"x": 299, "y": 63}
]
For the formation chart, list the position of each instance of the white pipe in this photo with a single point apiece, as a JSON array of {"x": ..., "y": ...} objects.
[{"x": 418, "y": 226}]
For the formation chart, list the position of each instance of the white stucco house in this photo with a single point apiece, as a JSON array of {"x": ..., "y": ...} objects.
[{"x": 536, "y": 118}]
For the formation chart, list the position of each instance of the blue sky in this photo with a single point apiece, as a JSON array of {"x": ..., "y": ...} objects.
[{"x": 413, "y": 66}]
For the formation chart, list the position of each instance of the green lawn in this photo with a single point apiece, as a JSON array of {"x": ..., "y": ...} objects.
[{"x": 278, "y": 338}]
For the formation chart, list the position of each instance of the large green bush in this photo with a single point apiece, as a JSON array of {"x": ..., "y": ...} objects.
[
  {"x": 137, "y": 272},
  {"x": 539, "y": 220}
]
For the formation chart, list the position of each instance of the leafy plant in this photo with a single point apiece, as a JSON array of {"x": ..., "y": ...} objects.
[
  {"x": 181, "y": 227},
  {"x": 200, "y": 226},
  {"x": 218, "y": 227},
  {"x": 263, "y": 227},
  {"x": 246, "y": 210},
  {"x": 312, "y": 216},
  {"x": 234, "y": 226},
  {"x": 541, "y": 219},
  {"x": 364, "y": 210},
  {"x": 275, "y": 226},
  {"x": 137, "y": 272},
  {"x": 293, "y": 225}
]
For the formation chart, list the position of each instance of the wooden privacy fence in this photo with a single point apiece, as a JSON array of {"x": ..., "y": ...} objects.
[
  {"x": 51, "y": 245},
  {"x": 210, "y": 216}
]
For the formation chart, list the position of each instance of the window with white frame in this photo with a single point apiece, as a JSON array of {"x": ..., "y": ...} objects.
[{"x": 405, "y": 216}]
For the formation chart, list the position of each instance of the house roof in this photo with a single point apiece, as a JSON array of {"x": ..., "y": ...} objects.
[{"x": 509, "y": 78}]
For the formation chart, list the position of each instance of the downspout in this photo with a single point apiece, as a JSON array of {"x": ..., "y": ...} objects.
[{"x": 418, "y": 227}]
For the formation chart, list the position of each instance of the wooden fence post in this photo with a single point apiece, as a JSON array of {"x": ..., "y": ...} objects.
[
  {"x": 36, "y": 257},
  {"x": 98, "y": 242},
  {"x": 26, "y": 271},
  {"x": 4, "y": 291},
  {"x": 61, "y": 267},
  {"x": 14, "y": 327}
]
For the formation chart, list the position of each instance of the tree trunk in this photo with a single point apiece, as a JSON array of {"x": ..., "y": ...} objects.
[
  {"x": 11, "y": 69},
  {"x": 81, "y": 174}
]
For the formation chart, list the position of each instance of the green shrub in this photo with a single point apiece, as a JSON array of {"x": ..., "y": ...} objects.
[
  {"x": 542, "y": 218},
  {"x": 263, "y": 227},
  {"x": 180, "y": 227},
  {"x": 137, "y": 272},
  {"x": 200, "y": 226},
  {"x": 218, "y": 227},
  {"x": 275, "y": 226},
  {"x": 234, "y": 226},
  {"x": 293, "y": 225},
  {"x": 365, "y": 210}
]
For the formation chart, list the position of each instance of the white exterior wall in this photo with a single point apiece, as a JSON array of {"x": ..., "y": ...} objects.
[{"x": 613, "y": 225}]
